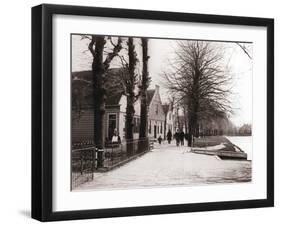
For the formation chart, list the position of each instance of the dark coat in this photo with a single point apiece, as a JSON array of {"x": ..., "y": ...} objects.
[
  {"x": 181, "y": 136},
  {"x": 169, "y": 135},
  {"x": 177, "y": 136}
]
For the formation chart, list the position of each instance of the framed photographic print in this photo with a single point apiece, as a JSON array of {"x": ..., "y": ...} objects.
[{"x": 146, "y": 112}]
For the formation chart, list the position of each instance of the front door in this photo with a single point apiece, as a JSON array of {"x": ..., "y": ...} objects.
[
  {"x": 112, "y": 125},
  {"x": 155, "y": 131}
]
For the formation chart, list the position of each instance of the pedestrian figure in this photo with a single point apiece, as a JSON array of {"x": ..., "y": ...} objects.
[
  {"x": 177, "y": 137},
  {"x": 190, "y": 140},
  {"x": 169, "y": 136},
  {"x": 182, "y": 138},
  {"x": 186, "y": 137},
  {"x": 160, "y": 139}
]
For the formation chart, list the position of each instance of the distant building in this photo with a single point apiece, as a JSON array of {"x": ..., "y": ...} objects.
[
  {"x": 182, "y": 123},
  {"x": 156, "y": 115},
  {"x": 169, "y": 119}
]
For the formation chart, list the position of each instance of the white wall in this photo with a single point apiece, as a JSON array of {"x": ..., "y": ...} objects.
[{"x": 15, "y": 90}]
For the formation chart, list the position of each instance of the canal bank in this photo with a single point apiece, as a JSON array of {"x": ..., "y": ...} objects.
[
  {"x": 245, "y": 143},
  {"x": 221, "y": 147}
]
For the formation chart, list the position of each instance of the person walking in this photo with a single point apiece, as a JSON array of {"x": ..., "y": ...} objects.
[
  {"x": 169, "y": 136},
  {"x": 160, "y": 139},
  {"x": 186, "y": 137},
  {"x": 182, "y": 138},
  {"x": 177, "y": 137}
]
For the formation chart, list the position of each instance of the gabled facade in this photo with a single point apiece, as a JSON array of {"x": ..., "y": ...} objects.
[
  {"x": 156, "y": 115},
  {"x": 116, "y": 116}
]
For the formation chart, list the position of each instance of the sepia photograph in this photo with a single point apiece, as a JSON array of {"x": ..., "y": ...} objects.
[
  {"x": 142, "y": 112},
  {"x": 156, "y": 112}
]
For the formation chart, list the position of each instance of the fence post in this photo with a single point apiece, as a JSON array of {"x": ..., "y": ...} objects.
[
  {"x": 111, "y": 155},
  {"x": 93, "y": 162},
  {"x": 81, "y": 162},
  {"x": 100, "y": 158}
]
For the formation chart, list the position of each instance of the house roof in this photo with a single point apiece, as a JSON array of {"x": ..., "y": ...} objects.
[
  {"x": 83, "y": 79},
  {"x": 114, "y": 86},
  {"x": 113, "y": 99},
  {"x": 150, "y": 94},
  {"x": 87, "y": 75}
]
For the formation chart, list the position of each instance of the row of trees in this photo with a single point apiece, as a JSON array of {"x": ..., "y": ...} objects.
[
  {"x": 104, "y": 51},
  {"x": 199, "y": 80}
]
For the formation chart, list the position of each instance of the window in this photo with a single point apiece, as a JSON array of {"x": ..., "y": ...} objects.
[
  {"x": 112, "y": 124},
  {"x": 136, "y": 125},
  {"x": 161, "y": 128},
  {"x": 124, "y": 126},
  {"x": 149, "y": 129},
  {"x": 156, "y": 109}
]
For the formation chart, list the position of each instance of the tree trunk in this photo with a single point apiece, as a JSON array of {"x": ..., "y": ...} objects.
[
  {"x": 130, "y": 111},
  {"x": 143, "y": 89},
  {"x": 99, "y": 91},
  {"x": 192, "y": 127},
  {"x": 99, "y": 68},
  {"x": 193, "y": 108},
  {"x": 143, "y": 94},
  {"x": 189, "y": 138},
  {"x": 165, "y": 125},
  {"x": 185, "y": 119}
]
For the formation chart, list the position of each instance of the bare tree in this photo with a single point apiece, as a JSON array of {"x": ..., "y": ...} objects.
[
  {"x": 198, "y": 77},
  {"x": 124, "y": 81},
  {"x": 100, "y": 65},
  {"x": 145, "y": 81},
  {"x": 130, "y": 89}
]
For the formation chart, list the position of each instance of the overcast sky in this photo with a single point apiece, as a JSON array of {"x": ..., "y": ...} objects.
[{"x": 161, "y": 51}]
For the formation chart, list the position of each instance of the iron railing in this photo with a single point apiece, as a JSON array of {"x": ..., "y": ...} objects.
[
  {"x": 86, "y": 159},
  {"x": 118, "y": 153},
  {"x": 82, "y": 165}
]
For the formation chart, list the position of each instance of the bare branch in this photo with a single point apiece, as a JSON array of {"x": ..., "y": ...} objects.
[
  {"x": 244, "y": 49},
  {"x": 117, "y": 48},
  {"x": 91, "y": 45}
]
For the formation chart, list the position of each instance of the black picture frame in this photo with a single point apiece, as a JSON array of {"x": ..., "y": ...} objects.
[{"x": 42, "y": 107}]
